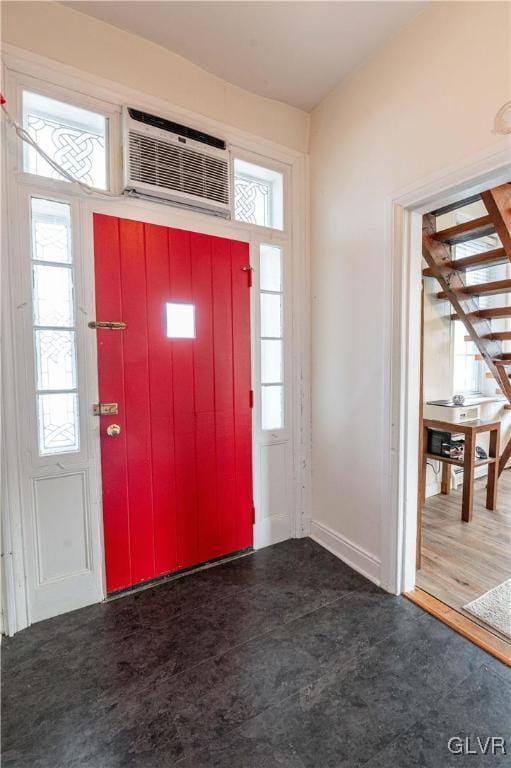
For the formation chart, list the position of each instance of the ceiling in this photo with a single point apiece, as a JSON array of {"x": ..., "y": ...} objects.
[{"x": 295, "y": 52}]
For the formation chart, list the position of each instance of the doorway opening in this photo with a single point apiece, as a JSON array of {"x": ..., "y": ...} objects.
[{"x": 463, "y": 555}]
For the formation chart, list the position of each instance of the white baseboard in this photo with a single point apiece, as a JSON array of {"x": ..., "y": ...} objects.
[
  {"x": 356, "y": 557},
  {"x": 271, "y": 530}
]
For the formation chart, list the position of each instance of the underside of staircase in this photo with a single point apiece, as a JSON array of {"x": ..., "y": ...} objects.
[{"x": 451, "y": 276}]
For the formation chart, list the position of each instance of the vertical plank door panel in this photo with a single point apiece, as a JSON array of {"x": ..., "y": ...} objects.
[
  {"x": 242, "y": 528},
  {"x": 225, "y": 444},
  {"x": 184, "y": 405},
  {"x": 111, "y": 389},
  {"x": 136, "y": 389},
  {"x": 208, "y": 540},
  {"x": 162, "y": 400}
]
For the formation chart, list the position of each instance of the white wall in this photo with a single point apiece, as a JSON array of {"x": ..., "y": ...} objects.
[
  {"x": 71, "y": 37},
  {"x": 426, "y": 100}
]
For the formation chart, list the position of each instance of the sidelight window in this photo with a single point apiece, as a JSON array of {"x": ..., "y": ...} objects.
[
  {"x": 54, "y": 330},
  {"x": 271, "y": 337}
]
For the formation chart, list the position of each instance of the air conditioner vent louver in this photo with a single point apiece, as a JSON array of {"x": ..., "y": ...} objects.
[
  {"x": 178, "y": 168},
  {"x": 176, "y": 128},
  {"x": 175, "y": 164}
]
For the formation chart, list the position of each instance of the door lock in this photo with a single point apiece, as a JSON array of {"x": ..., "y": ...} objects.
[
  {"x": 108, "y": 325},
  {"x": 105, "y": 409},
  {"x": 113, "y": 430}
]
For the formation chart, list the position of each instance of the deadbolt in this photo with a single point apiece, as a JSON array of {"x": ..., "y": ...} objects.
[{"x": 113, "y": 430}]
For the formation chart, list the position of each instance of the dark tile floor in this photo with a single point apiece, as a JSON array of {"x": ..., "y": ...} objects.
[{"x": 283, "y": 658}]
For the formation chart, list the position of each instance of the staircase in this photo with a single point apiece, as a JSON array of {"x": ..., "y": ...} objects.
[{"x": 451, "y": 276}]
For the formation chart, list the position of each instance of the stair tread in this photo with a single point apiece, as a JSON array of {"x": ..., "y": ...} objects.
[
  {"x": 490, "y": 375},
  {"x": 472, "y": 263},
  {"x": 468, "y": 230},
  {"x": 482, "y": 289},
  {"x": 454, "y": 206},
  {"x": 499, "y": 336},
  {"x": 489, "y": 314}
]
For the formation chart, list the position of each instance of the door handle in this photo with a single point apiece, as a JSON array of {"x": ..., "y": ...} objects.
[{"x": 113, "y": 430}]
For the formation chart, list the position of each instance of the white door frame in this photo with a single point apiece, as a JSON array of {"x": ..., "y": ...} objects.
[{"x": 403, "y": 287}]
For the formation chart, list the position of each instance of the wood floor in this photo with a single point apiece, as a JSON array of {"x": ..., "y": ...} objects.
[{"x": 461, "y": 561}]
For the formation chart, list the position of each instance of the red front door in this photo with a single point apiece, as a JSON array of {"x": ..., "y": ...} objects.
[{"x": 177, "y": 479}]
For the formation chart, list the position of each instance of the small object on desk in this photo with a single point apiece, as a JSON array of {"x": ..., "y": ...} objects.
[
  {"x": 458, "y": 399},
  {"x": 443, "y": 443}
]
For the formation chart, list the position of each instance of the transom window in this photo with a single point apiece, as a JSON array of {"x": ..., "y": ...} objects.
[
  {"x": 258, "y": 195},
  {"x": 73, "y": 137},
  {"x": 54, "y": 327}
]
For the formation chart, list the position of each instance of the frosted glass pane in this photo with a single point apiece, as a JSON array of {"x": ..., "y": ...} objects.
[
  {"x": 75, "y": 138},
  {"x": 252, "y": 201},
  {"x": 271, "y": 315},
  {"x": 271, "y": 362},
  {"x": 55, "y": 355},
  {"x": 180, "y": 321},
  {"x": 58, "y": 423},
  {"x": 272, "y": 412},
  {"x": 271, "y": 269},
  {"x": 53, "y": 295},
  {"x": 258, "y": 195},
  {"x": 51, "y": 231}
]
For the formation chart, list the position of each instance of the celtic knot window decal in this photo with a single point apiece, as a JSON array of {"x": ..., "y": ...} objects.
[
  {"x": 258, "y": 195},
  {"x": 251, "y": 201},
  {"x": 74, "y": 137},
  {"x": 54, "y": 327}
]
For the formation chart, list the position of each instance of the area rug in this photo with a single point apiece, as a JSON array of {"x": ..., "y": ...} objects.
[{"x": 494, "y": 608}]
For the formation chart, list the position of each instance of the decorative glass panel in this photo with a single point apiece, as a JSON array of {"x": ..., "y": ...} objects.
[
  {"x": 58, "y": 422},
  {"x": 51, "y": 231},
  {"x": 180, "y": 321},
  {"x": 271, "y": 315},
  {"x": 252, "y": 201},
  {"x": 73, "y": 137},
  {"x": 258, "y": 195},
  {"x": 272, "y": 407},
  {"x": 53, "y": 296},
  {"x": 55, "y": 350},
  {"x": 55, "y": 355},
  {"x": 271, "y": 270},
  {"x": 271, "y": 342},
  {"x": 271, "y": 361}
]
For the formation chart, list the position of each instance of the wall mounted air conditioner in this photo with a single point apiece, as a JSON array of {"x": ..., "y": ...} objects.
[{"x": 172, "y": 163}]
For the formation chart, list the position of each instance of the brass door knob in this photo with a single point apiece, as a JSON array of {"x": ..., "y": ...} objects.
[{"x": 113, "y": 430}]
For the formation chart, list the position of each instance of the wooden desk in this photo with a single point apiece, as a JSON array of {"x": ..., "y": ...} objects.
[{"x": 470, "y": 430}]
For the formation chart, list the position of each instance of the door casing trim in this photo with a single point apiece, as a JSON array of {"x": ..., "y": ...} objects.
[{"x": 403, "y": 273}]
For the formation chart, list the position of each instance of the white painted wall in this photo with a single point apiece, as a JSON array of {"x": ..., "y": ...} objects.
[
  {"x": 425, "y": 101},
  {"x": 71, "y": 37}
]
